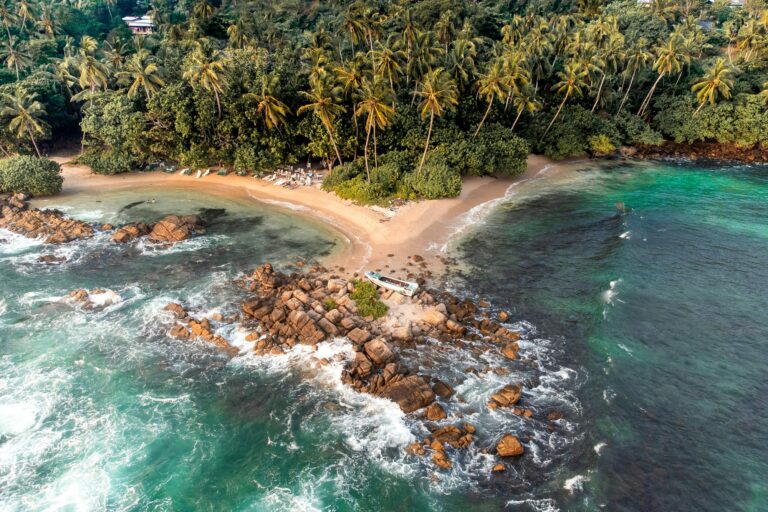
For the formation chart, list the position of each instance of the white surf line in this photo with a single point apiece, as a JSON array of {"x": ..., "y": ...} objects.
[
  {"x": 295, "y": 207},
  {"x": 480, "y": 212}
]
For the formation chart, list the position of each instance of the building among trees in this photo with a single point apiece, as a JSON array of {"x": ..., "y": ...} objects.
[{"x": 139, "y": 24}]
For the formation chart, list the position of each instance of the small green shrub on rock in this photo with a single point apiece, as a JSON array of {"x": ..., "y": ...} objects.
[
  {"x": 30, "y": 175},
  {"x": 329, "y": 304},
  {"x": 367, "y": 299}
]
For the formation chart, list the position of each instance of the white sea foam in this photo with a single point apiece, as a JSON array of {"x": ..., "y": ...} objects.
[
  {"x": 15, "y": 244},
  {"x": 3, "y": 307},
  {"x": 543, "y": 505},
  {"x": 599, "y": 447},
  {"x": 191, "y": 245},
  {"x": 625, "y": 235},
  {"x": 610, "y": 294},
  {"x": 16, "y": 417},
  {"x": 575, "y": 484},
  {"x": 284, "y": 204}
]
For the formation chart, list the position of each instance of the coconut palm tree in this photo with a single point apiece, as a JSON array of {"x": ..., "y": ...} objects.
[
  {"x": 524, "y": 101},
  {"x": 237, "y": 34},
  {"x": 25, "y": 9},
  {"x": 351, "y": 76},
  {"x": 25, "y": 115},
  {"x": 438, "y": 93},
  {"x": 713, "y": 85},
  {"x": 669, "y": 59},
  {"x": 7, "y": 16},
  {"x": 203, "y": 10},
  {"x": 47, "y": 22},
  {"x": 141, "y": 73},
  {"x": 460, "y": 62},
  {"x": 93, "y": 74},
  {"x": 491, "y": 86},
  {"x": 572, "y": 81},
  {"x": 323, "y": 102},
  {"x": 388, "y": 60},
  {"x": 208, "y": 73},
  {"x": 374, "y": 104},
  {"x": 637, "y": 59},
  {"x": 15, "y": 57},
  {"x": 274, "y": 111}
]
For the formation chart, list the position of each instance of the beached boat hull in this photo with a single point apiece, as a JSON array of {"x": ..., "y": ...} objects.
[{"x": 404, "y": 287}]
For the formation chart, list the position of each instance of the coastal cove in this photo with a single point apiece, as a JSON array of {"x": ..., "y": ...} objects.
[{"x": 105, "y": 410}]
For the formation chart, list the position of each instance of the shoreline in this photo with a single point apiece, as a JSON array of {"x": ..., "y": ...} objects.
[{"x": 421, "y": 228}]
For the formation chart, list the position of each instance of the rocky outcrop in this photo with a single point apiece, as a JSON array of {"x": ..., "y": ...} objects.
[
  {"x": 188, "y": 328},
  {"x": 507, "y": 396},
  {"x": 174, "y": 228},
  {"x": 130, "y": 232},
  {"x": 55, "y": 228},
  {"x": 291, "y": 309},
  {"x": 50, "y": 225},
  {"x": 440, "y": 439},
  {"x": 98, "y": 298}
]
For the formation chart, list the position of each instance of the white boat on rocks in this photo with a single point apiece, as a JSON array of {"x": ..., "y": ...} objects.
[{"x": 405, "y": 287}]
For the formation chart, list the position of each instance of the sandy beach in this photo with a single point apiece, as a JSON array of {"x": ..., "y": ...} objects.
[{"x": 374, "y": 234}]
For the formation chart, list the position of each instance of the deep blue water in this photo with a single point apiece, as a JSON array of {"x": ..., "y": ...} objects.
[{"x": 663, "y": 309}]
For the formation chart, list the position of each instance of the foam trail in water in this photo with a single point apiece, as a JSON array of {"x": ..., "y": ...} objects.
[{"x": 575, "y": 484}]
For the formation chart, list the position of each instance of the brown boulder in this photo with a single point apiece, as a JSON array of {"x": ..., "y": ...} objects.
[
  {"x": 379, "y": 352},
  {"x": 175, "y": 229},
  {"x": 441, "y": 460},
  {"x": 508, "y": 395},
  {"x": 410, "y": 393},
  {"x": 433, "y": 317},
  {"x": 510, "y": 350},
  {"x": 442, "y": 389},
  {"x": 435, "y": 412},
  {"x": 176, "y": 309},
  {"x": 130, "y": 232},
  {"x": 509, "y": 446},
  {"x": 359, "y": 336}
]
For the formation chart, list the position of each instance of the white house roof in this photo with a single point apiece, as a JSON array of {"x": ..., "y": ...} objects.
[{"x": 138, "y": 21}]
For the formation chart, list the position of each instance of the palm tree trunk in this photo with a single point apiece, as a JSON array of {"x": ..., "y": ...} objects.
[
  {"x": 648, "y": 97},
  {"x": 357, "y": 128},
  {"x": 490, "y": 104},
  {"x": 556, "y": 114},
  {"x": 426, "y": 146},
  {"x": 218, "y": 103},
  {"x": 626, "y": 95},
  {"x": 333, "y": 141},
  {"x": 367, "y": 138},
  {"x": 599, "y": 90},
  {"x": 375, "y": 150},
  {"x": 32, "y": 138},
  {"x": 517, "y": 119}
]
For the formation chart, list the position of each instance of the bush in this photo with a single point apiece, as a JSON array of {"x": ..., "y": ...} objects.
[
  {"x": 436, "y": 180},
  {"x": 635, "y": 131},
  {"x": 601, "y": 145},
  {"x": 571, "y": 132},
  {"x": 113, "y": 131},
  {"x": 30, "y": 175},
  {"x": 367, "y": 299},
  {"x": 329, "y": 304}
]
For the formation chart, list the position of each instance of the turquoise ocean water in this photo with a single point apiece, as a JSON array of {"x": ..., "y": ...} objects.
[{"x": 646, "y": 327}]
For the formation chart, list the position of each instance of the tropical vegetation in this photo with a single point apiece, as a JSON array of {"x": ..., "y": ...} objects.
[{"x": 398, "y": 97}]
